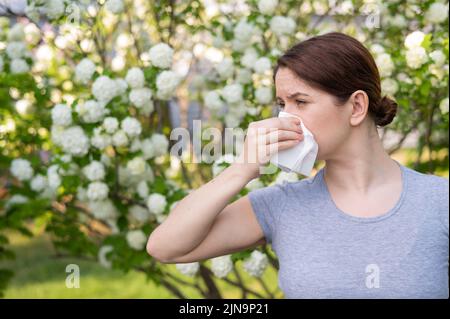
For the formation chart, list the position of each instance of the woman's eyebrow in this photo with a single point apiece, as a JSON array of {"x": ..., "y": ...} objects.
[{"x": 291, "y": 96}]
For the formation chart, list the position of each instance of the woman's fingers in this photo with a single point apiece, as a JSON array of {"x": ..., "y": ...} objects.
[
  {"x": 276, "y": 147},
  {"x": 282, "y": 135}
]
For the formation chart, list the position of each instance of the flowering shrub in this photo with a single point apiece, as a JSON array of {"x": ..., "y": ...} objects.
[{"x": 91, "y": 91}]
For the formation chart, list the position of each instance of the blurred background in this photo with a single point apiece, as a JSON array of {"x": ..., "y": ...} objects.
[{"x": 90, "y": 92}]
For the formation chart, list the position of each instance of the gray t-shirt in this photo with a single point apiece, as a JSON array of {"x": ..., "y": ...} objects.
[{"x": 327, "y": 253}]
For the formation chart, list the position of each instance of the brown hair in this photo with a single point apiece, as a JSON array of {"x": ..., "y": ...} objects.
[{"x": 340, "y": 65}]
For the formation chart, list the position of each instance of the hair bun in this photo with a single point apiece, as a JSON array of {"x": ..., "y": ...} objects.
[{"x": 387, "y": 109}]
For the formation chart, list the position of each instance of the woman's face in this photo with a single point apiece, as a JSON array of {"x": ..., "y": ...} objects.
[{"x": 328, "y": 122}]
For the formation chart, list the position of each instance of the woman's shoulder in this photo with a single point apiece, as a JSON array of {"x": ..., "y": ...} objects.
[{"x": 427, "y": 182}]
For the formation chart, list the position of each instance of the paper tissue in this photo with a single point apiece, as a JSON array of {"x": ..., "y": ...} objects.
[{"x": 301, "y": 157}]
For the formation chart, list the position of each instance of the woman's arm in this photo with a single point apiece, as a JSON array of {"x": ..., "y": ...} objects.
[{"x": 202, "y": 225}]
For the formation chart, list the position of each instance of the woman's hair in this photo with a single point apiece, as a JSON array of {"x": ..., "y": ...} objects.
[{"x": 340, "y": 65}]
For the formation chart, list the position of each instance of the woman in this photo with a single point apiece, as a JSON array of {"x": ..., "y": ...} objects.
[{"x": 364, "y": 226}]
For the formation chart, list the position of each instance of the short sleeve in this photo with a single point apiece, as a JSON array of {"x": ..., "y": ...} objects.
[{"x": 267, "y": 204}]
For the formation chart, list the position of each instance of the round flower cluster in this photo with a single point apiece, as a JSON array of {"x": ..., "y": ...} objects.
[
  {"x": 256, "y": 264},
  {"x": 84, "y": 71},
  {"x": 21, "y": 169},
  {"x": 416, "y": 55},
  {"x": 221, "y": 266},
  {"x": 188, "y": 269},
  {"x": 156, "y": 203},
  {"x": 166, "y": 83},
  {"x": 62, "y": 115},
  {"x": 161, "y": 55},
  {"x": 95, "y": 171},
  {"x": 136, "y": 239}
]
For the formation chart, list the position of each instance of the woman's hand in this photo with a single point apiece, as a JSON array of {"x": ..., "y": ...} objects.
[{"x": 265, "y": 138}]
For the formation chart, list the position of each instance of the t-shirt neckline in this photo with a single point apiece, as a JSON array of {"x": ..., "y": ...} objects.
[{"x": 388, "y": 214}]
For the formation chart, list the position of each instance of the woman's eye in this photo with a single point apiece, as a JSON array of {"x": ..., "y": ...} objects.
[{"x": 300, "y": 102}]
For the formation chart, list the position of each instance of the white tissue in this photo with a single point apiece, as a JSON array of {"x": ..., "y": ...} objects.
[{"x": 301, "y": 157}]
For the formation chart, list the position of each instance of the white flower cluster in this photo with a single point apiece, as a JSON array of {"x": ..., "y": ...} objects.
[
  {"x": 437, "y": 12},
  {"x": 92, "y": 111},
  {"x": 136, "y": 239},
  {"x": 188, "y": 269},
  {"x": 221, "y": 266},
  {"x": 16, "y": 50},
  {"x": 74, "y": 141},
  {"x": 139, "y": 214},
  {"x": 105, "y": 89},
  {"x": 416, "y": 55},
  {"x": 21, "y": 169},
  {"x": 100, "y": 209},
  {"x": 97, "y": 191},
  {"x": 166, "y": 83},
  {"x": 161, "y": 55},
  {"x": 137, "y": 166},
  {"x": 156, "y": 203},
  {"x": 62, "y": 115},
  {"x": 280, "y": 25},
  {"x": 84, "y": 71},
  {"x": 95, "y": 171},
  {"x": 131, "y": 126},
  {"x": 267, "y": 6},
  {"x": 256, "y": 264}
]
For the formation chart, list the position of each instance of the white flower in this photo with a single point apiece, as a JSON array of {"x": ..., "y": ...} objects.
[
  {"x": 110, "y": 124},
  {"x": 120, "y": 139},
  {"x": 53, "y": 8},
  {"x": 160, "y": 144},
  {"x": 264, "y": 95},
  {"x": 140, "y": 97},
  {"x": 147, "y": 148},
  {"x": 102, "y": 209},
  {"x": 84, "y": 71},
  {"x": 188, "y": 269},
  {"x": 256, "y": 264},
  {"x": 121, "y": 86},
  {"x": 53, "y": 178},
  {"x": 156, "y": 203},
  {"x": 212, "y": 100},
  {"x": 16, "y": 33},
  {"x": 160, "y": 55},
  {"x": 136, "y": 166},
  {"x": 147, "y": 108},
  {"x": 74, "y": 141},
  {"x": 280, "y": 25},
  {"x": 225, "y": 68},
  {"x": 249, "y": 58},
  {"x": 136, "y": 239},
  {"x": 32, "y": 12},
  {"x": 104, "y": 89},
  {"x": 377, "y": 48},
  {"x": 135, "y": 78},
  {"x": 18, "y": 66},
  {"x": 38, "y": 183},
  {"x": 232, "y": 93},
  {"x": 416, "y": 57},
  {"x": 288, "y": 177},
  {"x": 100, "y": 141},
  {"x": 438, "y": 57},
  {"x": 97, "y": 191},
  {"x": 437, "y": 12},
  {"x": 62, "y": 115},
  {"x": 115, "y": 6},
  {"x": 267, "y": 6},
  {"x": 243, "y": 31},
  {"x": 167, "y": 82},
  {"x": 389, "y": 86},
  {"x": 21, "y": 169},
  {"x": 102, "y": 252},
  {"x": 16, "y": 50},
  {"x": 385, "y": 64},
  {"x": 444, "y": 106},
  {"x": 414, "y": 39},
  {"x": 142, "y": 189},
  {"x": 262, "y": 65},
  {"x": 139, "y": 213},
  {"x": 95, "y": 171},
  {"x": 221, "y": 266},
  {"x": 131, "y": 126},
  {"x": 254, "y": 184}
]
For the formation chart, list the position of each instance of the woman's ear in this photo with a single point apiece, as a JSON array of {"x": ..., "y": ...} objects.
[{"x": 360, "y": 106}]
